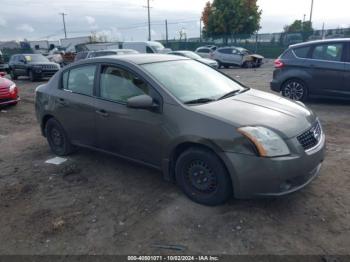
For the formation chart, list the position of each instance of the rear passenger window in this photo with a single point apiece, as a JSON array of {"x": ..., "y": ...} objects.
[
  {"x": 328, "y": 52},
  {"x": 302, "y": 52},
  {"x": 225, "y": 51},
  {"x": 204, "y": 50},
  {"x": 80, "y": 80}
]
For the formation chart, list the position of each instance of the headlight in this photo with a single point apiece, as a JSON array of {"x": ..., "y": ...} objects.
[
  {"x": 267, "y": 142},
  {"x": 12, "y": 88}
]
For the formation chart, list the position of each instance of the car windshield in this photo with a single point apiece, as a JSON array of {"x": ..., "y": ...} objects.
[
  {"x": 189, "y": 80},
  {"x": 157, "y": 46},
  {"x": 36, "y": 58},
  {"x": 191, "y": 55}
]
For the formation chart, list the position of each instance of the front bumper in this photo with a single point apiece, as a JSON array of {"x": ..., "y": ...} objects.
[
  {"x": 40, "y": 73},
  {"x": 254, "y": 176},
  {"x": 9, "y": 101}
]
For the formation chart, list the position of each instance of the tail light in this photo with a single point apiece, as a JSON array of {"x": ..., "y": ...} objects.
[{"x": 279, "y": 63}]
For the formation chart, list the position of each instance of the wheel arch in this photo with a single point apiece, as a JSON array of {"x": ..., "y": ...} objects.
[
  {"x": 180, "y": 147},
  {"x": 44, "y": 120}
]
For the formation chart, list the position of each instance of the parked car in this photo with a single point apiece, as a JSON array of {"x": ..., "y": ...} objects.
[
  {"x": 8, "y": 91},
  {"x": 314, "y": 69},
  {"x": 205, "y": 51},
  {"x": 215, "y": 137},
  {"x": 236, "y": 56},
  {"x": 36, "y": 66},
  {"x": 210, "y": 62},
  {"x": 3, "y": 66},
  {"x": 149, "y": 47},
  {"x": 92, "y": 54}
]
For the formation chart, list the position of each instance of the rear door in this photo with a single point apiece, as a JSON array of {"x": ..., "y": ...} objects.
[
  {"x": 223, "y": 55},
  {"x": 75, "y": 104},
  {"x": 327, "y": 68},
  {"x": 132, "y": 133},
  {"x": 236, "y": 57}
]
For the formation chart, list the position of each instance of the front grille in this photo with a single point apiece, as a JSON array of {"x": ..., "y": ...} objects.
[
  {"x": 49, "y": 67},
  {"x": 310, "y": 138}
]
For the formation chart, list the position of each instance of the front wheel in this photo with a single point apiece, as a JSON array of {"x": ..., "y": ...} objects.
[
  {"x": 295, "y": 89},
  {"x": 203, "y": 177},
  {"x": 57, "y": 138}
]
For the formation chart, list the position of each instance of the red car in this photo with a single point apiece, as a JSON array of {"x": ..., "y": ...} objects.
[{"x": 8, "y": 91}]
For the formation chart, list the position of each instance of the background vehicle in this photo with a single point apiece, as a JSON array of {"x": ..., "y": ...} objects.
[
  {"x": 92, "y": 54},
  {"x": 36, "y": 66},
  {"x": 3, "y": 66},
  {"x": 193, "y": 55},
  {"x": 149, "y": 47},
  {"x": 205, "y": 131},
  {"x": 8, "y": 91},
  {"x": 314, "y": 69},
  {"x": 236, "y": 56},
  {"x": 205, "y": 51}
]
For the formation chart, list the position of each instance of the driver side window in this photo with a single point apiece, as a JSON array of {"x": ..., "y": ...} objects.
[{"x": 119, "y": 85}]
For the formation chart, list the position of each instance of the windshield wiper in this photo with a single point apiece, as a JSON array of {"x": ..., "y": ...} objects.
[
  {"x": 232, "y": 93},
  {"x": 199, "y": 101}
]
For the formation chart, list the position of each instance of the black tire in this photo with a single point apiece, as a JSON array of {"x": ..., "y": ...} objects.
[
  {"x": 57, "y": 138},
  {"x": 295, "y": 89},
  {"x": 219, "y": 64},
  {"x": 202, "y": 177},
  {"x": 13, "y": 75},
  {"x": 248, "y": 64},
  {"x": 31, "y": 76},
  {"x": 226, "y": 66}
]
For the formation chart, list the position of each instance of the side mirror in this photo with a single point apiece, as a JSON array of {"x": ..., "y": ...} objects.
[{"x": 141, "y": 102}]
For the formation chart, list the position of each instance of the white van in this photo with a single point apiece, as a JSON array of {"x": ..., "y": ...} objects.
[{"x": 149, "y": 47}]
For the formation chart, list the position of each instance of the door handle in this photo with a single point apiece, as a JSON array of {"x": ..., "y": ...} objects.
[
  {"x": 61, "y": 101},
  {"x": 102, "y": 112}
]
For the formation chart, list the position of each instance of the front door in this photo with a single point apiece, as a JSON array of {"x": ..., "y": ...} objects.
[{"x": 132, "y": 133}]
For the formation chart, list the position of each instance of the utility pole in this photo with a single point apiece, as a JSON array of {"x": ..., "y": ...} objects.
[
  {"x": 149, "y": 21},
  {"x": 64, "y": 24},
  {"x": 166, "y": 32},
  {"x": 200, "y": 30},
  {"x": 312, "y": 9}
]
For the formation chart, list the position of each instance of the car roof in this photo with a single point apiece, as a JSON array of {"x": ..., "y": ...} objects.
[
  {"x": 320, "y": 42},
  {"x": 138, "y": 59}
]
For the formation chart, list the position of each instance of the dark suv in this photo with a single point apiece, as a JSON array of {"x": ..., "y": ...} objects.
[
  {"x": 35, "y": 66},
  {"x": 314, "y": 69}
]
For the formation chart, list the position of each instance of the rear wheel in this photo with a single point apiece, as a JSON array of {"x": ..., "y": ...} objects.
[
  {"x": 57, "y": 138},
  {"x": 295, "y": 89},
  {"x": 202, "y": 177},
  {"x": 13, "y": 75}
]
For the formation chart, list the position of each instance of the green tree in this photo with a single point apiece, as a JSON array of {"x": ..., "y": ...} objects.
[
  {"x": 227, "y": 18},
  {"x": 298, "y": 26}
]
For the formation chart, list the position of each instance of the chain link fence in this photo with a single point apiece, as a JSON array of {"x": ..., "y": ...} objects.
[{"x": 269, "y": 45}]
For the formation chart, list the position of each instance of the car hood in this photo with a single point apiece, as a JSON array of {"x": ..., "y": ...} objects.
[
  {"x": 257, "y": 108},
  {"x": 4, "y": 82},
  {"x": 206, "y": 61}
]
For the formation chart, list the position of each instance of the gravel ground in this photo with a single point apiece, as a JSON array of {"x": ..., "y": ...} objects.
[{"x": 98, "y": 204}]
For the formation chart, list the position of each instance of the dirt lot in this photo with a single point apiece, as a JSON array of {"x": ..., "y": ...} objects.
[{"x": 98, "y": 204}]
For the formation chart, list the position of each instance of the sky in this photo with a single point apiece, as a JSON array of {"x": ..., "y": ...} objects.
[{"x": 126, "y": 20}]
